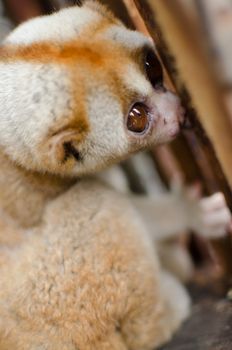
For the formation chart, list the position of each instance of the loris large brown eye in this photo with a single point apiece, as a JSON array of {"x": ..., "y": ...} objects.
[
  {"x": 154, "y": 69},
  {"x": 138, "y": 118}
]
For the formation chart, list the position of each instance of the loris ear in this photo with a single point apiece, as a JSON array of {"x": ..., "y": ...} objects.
[
  {"x": 60, "y": 152},
  {"x": 64, "y": 146},
  {"x": 61, "y": 148}
]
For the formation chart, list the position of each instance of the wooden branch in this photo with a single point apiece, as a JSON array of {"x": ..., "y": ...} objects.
[
  {"x": 5, "y": 24},
  {"x": 216, "y": 17},
  {"x": 20, "y": 11},
  {"x": 186, "y": 61},
  {"x": 194, "y": 69}
]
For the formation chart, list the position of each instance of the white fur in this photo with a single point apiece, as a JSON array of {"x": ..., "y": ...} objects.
[
  {"x": 137, "y": 82},
  {"x": 31, "y": 103},
  {"x": 63, "y": 26},
  {"x": 130, "y": 39},
  {"x": 106, "y": 137}
]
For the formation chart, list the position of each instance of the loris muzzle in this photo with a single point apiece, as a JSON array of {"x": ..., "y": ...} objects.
[{"x": 79, "y": 91}]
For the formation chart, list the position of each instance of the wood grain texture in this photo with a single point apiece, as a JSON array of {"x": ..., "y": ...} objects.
[
  {"x": 188, "y": 65},
  {"x": 194, "y": 68}
]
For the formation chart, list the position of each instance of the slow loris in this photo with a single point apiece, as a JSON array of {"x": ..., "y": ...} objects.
[{"x": 79, "y": 92}]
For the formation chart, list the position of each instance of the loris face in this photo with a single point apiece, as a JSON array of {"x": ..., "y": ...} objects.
[{"x": 79, "y": 91}]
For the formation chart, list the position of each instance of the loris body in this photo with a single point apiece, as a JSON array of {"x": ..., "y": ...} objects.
[
  {"x": 78, "y": 92},
  {"x": 88, "y": 278}
]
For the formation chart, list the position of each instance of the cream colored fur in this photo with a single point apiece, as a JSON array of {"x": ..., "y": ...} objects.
[
  {"x": 88, "y": 279},
  {"x": 78, "y": 267}
]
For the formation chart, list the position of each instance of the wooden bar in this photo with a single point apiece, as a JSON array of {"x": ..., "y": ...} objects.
[
  {"x": 194, "y": 69},
  {"x": 186, "y": 61}
]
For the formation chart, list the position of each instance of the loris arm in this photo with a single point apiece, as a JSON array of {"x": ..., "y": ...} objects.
[{"x": 168, "y": 215}]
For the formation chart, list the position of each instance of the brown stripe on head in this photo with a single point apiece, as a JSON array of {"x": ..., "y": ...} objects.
[
  {"x": 82, "y": 46},
  {"x": 81, "y": 57},
  {"x": 49, "y": 53},
  {"x": 74, "y": 126},
  {"x": 75, "y": 51}
]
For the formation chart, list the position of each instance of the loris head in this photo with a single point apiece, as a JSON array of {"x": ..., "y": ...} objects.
[{"x": 79, "y": 91}]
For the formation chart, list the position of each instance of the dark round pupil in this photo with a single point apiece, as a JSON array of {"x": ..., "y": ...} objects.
[
  {"x": 138, "y": 119},
  {"x": 154, "y": 70}
]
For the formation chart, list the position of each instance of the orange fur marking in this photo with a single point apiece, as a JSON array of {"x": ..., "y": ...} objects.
[
  {"x": 81, "y": 48},
  {"x": 85, "y": 58},
  {"x": 97, "y": 54}
]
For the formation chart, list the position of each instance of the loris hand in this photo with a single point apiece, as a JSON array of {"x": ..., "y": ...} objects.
[
  {"x": 214, "y": 216},
  {"x": 209, "y": 216}
]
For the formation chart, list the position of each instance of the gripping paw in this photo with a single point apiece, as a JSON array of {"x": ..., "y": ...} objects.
[
  {"x": 214, "y": 216},
  {"x": 209, "y": 216}
]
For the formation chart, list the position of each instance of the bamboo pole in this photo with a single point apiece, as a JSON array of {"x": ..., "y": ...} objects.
[
  {"x": 179, "y": 43},
  {"x": 195, "y": 71}
]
